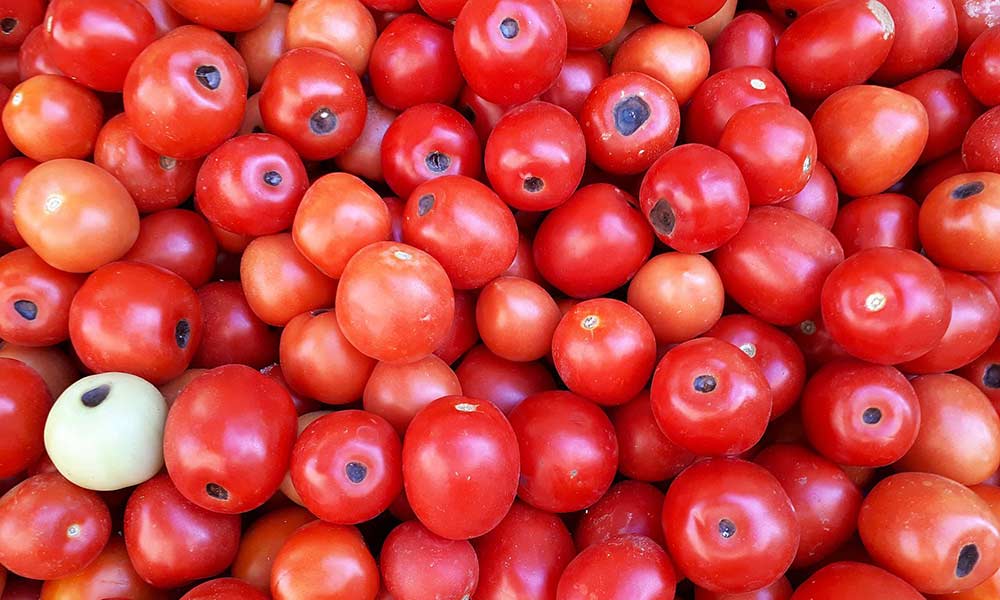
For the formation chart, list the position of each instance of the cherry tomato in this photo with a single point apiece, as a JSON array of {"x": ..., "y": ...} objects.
[
  {"x": 36, "y": 299},
  {"x": 460, "y": 466},
  {"x": 957, "y": 546},
  {"x": 680, "y": 296},
  {"x": 25, "y": 402},
  {"x": 860, "y": 414},
  {"x": 854, "y": 580},
  {"x": 413, "y": 62},
  {"x": 644, "y": 453},
  {"x": 49, "y": 117},
  {"x": 224, "y": 15},
  {"x": 628, "y": 508},
  {"x": 625, "y": 567},
  {"x": 695, "y": 198},
  {"x": 343, "y": 27},
  {"x": 261, "y": 542},
  {"x": 51, "y": 528},
  {"x": 280, "y": 283},
  {"x": 326, "y": 561},
  {"x": 720, "y": 96},
  {"x": 951, "y": 223},
  {"x": 394, "y": 302},
  {"x": 677, "y": 57},
  {"x": 886, "y": 305},
  {"x": 418, "y": 564},
  {"x": 505, "y": 383},
  {"x": 516, "y": 318},
  {"x": 186, "y": 92},
  {"x": 877, "y": 221},
  {"x": 510, "y": 51},
  {"x": 729, "y": 526}
]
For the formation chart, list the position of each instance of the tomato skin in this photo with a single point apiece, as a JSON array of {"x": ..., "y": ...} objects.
[
  {"x": 580, "y": 73},
  {"x": 854, "y": 580},
  {"x": 505, "y": 383},
  {"x": 261, "y": 46},
  {"x": 710, "y": 398},
  {"x": 169, "y": 107},
  {"x": 959, "y": 435},
  {"x": 24, "y": 405},
  {"x": 680, "y": 296},
  {"x": 261, "y": 542},
  {"x": 747, "y": 41},
  {"x": 51, "y": 363},
  {"x": 300, "y": 567},
  {"x": 364, "y": 157},
  {"x": 818, "y": 200},
  {"x": 848, "y": 121},
  {"x": 834, "y": 404},
  {"x": 604, "y": 350},
  {"x": 51, "y": 528},
  {"x": 50, "y": 116},
  {"x": 36, "y": 299},
  {"x": 344, "y": 27},
  {"x": 984, "y": 373},
  {"x": 532, "y": 55},
  {"x": 677, "y": 57},
  {"x": 417, "y": 564},
  {"x": 644, "y": 453},
  {"x": 826, "y": 501},
  {"x": 201, "y": 452},
  {"x": 628, "y": 508},
  {"x": 695, "y": 198},
  {"x": 779, "y": 283},
  {"x": 369, "y": 308},
  {"x": 779, "y": 590},
  {"x": 629, "y": 566},
  {"x": 953, "y": 218},
  {"x": 683, "y": 14},
  {"x": 926, "y": 34},
  {"x": 65, "y": 205},
  {"x": 397, "y": 392},
  {"x": 722, "y": 95},
  {"x": 26, "y": 15},
  {"x": 877, "y": 221},
  {"x": 232, "y": 333},
  {"x": 414, "y": 49},
  {"x": 951, "y": 109},
  {"x": 958, "y": 548},
  {"x": 699, "y": 520},
  {"x": 180, "y": 241},
  {"x": 886, "y": 305},
  {"x": 223, "y": 588},
  {"x": 314, "y": 101},
  {"x": 12, "y": 172},
  {"x": 346, "y": 466},
  {"x": 597, "y": 227},
  {"x": 979, "y": 139},
  {"x": 980, "y": 66},
  {"x": 110, "y": 575},
  {"x": 516, "y": 318},
  {"x": 523, "y": 556},
  {"x": 457, "y": 434}
]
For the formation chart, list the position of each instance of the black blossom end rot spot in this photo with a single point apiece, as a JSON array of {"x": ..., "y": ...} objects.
[
  {"x": 95, "y": 396},
  {"x": 705, "y": 384},
  {"x": 323, "y": 121},
  {"x": 27, "y": 309},
  {"x": 356, "y": 472},
  {"x": 968, "y": 558},
  {"x": 208, "y": 76},
  {"x": 630, "y": 114},
  {"x": 182, "y": 333},
  {"x": 509, "y": 28},
  {"x": 968, "y": 190},
  {"x": 217, "y": 491}
]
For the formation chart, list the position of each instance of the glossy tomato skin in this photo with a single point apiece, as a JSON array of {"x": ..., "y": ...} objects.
[
  {"x": 96, "y": 42},
  {"x": 186, "y": 92},
  {"x": 958, "y": 548},
  {"x": 695, "y": 198},
  {"x": 860, "y": 414},
  {"x": 580, "y": 73},
  {"x": 926, "y": 34},
  {"x": 959, "y": 431},
  {"x": 66, "y": 205},
  {"x": 589, "y": 27},
  {"x": 171, "y": 541},
  {"x": 974, "y": 325},
  {"x": 628, "y": 508},
  {"x": 300, "y": 568},
  {"x": 593, "y": 243},
  {"x": 722, "y": 95},
  {"x": 886, "y": 305},
  {"x": 826, "y": 501},
  {"x": 604, "y": 350},
  {"x": 50, "y": 116},
  {"x": 364, "y": 157},
  {"x": 25, "y": 403},
  {"x": 566, "y": 464},
  {"x": 734, "y": 541},
  {"x": 680, "y": 296},
  {"x": 224, "y": 15},
  {"x": 877, "y": 221},
  {"x": 535, "y": 156},
  {"x": 457, "y": 434},
  {"x": 979, "y": 67},
  {"x": 232, "y": 333},
  {"x": 32, "y": 58},
  {"x": 35, "y": 298},
  {"x": 261, "y": 542},
  {"x": 748, "y": 41},
  {"x": 24, "y": 16},
  {"x": 251, "y": 447},
  {"x": 951, "y": 109},
  {"x": 394, "y": 302},
  {"x": 984, "y": 373},
  {"x": 226, "y": 587},
  {"x": 710, "y": 398},
  {"x": 684, "y": 14},
  {"x": 314, "y": 101},
  {"x": 261, "y": 46},
  {"x": 180, "y": 241},
  {"x": 413, "y": 62},
  {"x": 979, "y": 139},
  {"x": 503, "y": 382},
  {"x": 346, "y": 466},
  {"x": 516, "y": 318},
  {"x": 863, "y": 161},
  {"x": 465, "y": 226},
  {"x": 781, "y": 282},
  {"x": 397, "y": 392},
  {"x": 818, "y": 200},
  {"x": 675, "y": 56},
  {"x": 280, "y": 283},
  {"x": 12, "y": 172},
  {"x": 344, "y": 27},
  {"x": 629, "y": 566},
  {"x": 153, "y": 335},
  {"x": 251, "y": 185},
  {"x": 854, "y": 580},
  {"x": 952, "y": 218},
  {"x": 416, "y": 564},
  {"x": 838, "y": 44},
  {"x": 523, "y": 556},
  {"x": 155, "y": 182},
  {"x": 500, "y": 42},
  {"x": 644, "y": 453},
  {"x": 629, "y": 120},
  {"x": 110, "y": 575},
  {"x": 51, "y": 528}
]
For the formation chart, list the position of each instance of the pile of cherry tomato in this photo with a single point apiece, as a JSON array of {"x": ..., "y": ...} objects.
[{"x": 499, "y": 300}]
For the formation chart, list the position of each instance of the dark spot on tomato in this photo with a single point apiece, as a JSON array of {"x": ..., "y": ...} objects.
[
  {"x": 967, "y": 190},
  {"x": 356, "y": 472},
  {"x": 991, "y": 377},
  {"x": 630, "y": 114},
  {"x": 509, "y": 28},
  {"x": 27, "y": 309},
  {"x": 94, "y": 396},
  {"x": 791, "y": 13},
  {"x": 705, "y": 384},
  {"x": 323, "y": 121},
  {"x": 533, "y": 185},
  {"x": 272, "y": 178},
  {"x": 662, "y": 217},
  {"x": 871, "y": 416},
  {"x": 208, "y": 76},
  {"x": 727, "y": 528},
  {"x": 217, "y": 491},
  {"x": 968, "y": 558},
  {"x": 437, "y": 162},
  {"x": 7, "y": 25},
  {"x": 182, "y": 333},
  {"x": 424, "y": 204}
]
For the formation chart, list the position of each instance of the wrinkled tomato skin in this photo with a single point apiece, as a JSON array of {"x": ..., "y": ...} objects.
[
  {"x": 951, "y": 109},
  {"x": 780, "y": 282},
  {"x": 877, "y": 221},
  {"x": 854, "y": 580},
  {"x": 953, "y": 222}
]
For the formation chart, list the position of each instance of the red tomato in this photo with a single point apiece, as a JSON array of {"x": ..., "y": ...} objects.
[
  {"x": 178, "y": 240},
  {"x": 818, "y": 200},
  {"x": 413, "y": 62},
  {"x": 926, "y": 34},
  {"x": 877, "y": 221},
  {"x": 36, "y": 299},
  {"x": 729, "y": 526},
  {"x": 50, "y": 116},
  {"x": 397, "y": 392},
  {"x": 263, "y": 45},
  {"x": 950, "y": 106},
  {"x": 327, "y": 561},
  {"x": 953, "y": 222},
  {"x": 231, "y": 332},
  {"x": 460, "y": 466},
  {"x": 516, "y": 318},
  {"x": 722, "y": 95},
  {"x": 854, "y": 580},
  {"x": 628, "y": 508},
  {"x": 110, "y": 575},
  {"x": 580, "y": 74},
  {"x": 261, "y": 542},
  {"x": 979, "y": 141},
  {"x": 24, "y": 405},
  {"x": 224, "y": 588},
  {"x": 644, "y": 453},
  {"x": 626, "y": 567},
  {"x": 12, "y": 172},
  {"x": 417, "y": 564},
  {"x": 748, "y": 41},
  {"x": 505, "y": 383},
  {"x": 684, "y": 13},
  {"x": 344, "y": 27},
  {"x": 779, "y": 590},
  {"x": 675, "y": 56},
  {"x": 20, "y": 18}
]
